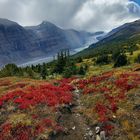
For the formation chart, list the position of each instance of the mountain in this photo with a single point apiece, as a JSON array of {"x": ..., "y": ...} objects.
[
  {"x": 24, "y": 44},
  {"x": 124, "y": 35},
  {"x": 124, "y": 32},
  {"x": 14, "y": 39}
]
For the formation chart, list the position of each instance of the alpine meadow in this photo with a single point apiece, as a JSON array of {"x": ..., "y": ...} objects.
[{"x": 70, "y": 70}]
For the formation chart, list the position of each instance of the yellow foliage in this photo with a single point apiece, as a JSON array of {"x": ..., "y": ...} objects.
[
  {"x": 20, "y": 119},
  {"x": 127, "y": 126},
  {"x": 131, "y": 136}
]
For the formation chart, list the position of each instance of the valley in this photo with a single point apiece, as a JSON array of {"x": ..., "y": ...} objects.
[
  {"x": 23, "y": 45},
  {"x": 90, "y": 40}
]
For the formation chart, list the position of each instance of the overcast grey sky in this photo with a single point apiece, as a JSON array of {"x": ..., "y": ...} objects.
[{"x": 89, "y": 15}]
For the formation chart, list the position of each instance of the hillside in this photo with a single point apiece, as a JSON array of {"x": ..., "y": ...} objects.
[
  {"x": 69, "y": 69},
  {"x": 70, "y": 98},
  {"x": 38, "y": 109},
  {"x": 126, "y": 35}
]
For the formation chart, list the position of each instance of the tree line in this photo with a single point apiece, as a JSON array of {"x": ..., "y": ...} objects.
[{"x": 63, "y": 65}]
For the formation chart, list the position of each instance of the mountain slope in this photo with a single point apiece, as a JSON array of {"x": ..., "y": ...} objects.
[
  {"x": 124, "y": 35},
  {"x": 22, "y": 44},
  {"x": 13, "y": 40}
]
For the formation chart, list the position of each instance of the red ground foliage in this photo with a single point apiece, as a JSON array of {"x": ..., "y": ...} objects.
[
  {"x": 24, "y": 99},
  {"x": 43, "y": 94},
  {"x": 112, "y": 90}
]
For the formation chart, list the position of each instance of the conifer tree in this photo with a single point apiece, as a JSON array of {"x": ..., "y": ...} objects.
[{"x": 43, "y": 71}]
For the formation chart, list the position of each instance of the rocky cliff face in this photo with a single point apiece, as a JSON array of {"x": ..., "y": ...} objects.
[{"x": 22, "y": 44}]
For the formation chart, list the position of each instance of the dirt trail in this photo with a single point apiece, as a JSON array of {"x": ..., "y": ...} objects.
[{"x": 75, "y": 124}]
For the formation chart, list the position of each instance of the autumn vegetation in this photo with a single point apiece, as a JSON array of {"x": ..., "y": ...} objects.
[{"x": 108, "y": 85}]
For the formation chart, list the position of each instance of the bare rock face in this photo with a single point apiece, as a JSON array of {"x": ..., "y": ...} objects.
[{"x": 22, "y": 44}]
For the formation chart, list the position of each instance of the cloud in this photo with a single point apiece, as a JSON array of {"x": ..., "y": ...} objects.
[
  {"x": 106, "y": 14},
  {"x": 89, "y": 15}
]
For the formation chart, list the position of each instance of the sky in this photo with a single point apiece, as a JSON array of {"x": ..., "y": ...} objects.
[
  {"x": 88, "y": 15},
  {"x": 137, "y": 1}
]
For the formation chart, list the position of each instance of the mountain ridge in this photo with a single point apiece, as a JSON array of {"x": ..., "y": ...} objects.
[
  {"x": 22, "y": 44},
  {"x": 126, "y": 34}
]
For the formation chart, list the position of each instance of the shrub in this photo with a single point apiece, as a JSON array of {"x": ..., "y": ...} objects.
[
  {"x": 115, "y": 55},
  {"x": 82, "y": 70},
  {"x": 103, "y": 59},
  {"x": 9, "y": 70},
  {"x": 79, "y": 60},
  {"x": 70, "y": 70},
  {"x": 121, "y": 60},
  {"x": 137, "y": 60},
  {"x": 43, "y": 71}
]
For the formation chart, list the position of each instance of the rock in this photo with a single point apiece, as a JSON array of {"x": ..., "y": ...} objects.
[
  {"x": 114, "y": 116},
  {"x": 73, "y": 128},
  {"x": 66, "y": 131},
  {"x": 90, "y": 133},
  {"x": 88, "y": 128},
  {"x": 137, "y": 107},
  {"x": 77, "y": 115}
]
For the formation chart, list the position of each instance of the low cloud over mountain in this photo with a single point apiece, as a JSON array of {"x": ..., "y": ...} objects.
[{"x": 90, "y": 15}]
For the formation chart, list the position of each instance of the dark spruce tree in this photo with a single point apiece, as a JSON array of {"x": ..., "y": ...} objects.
[
  {"x": 60, "y": 63},
  {"x": 115, "y": 55},
  {"x": 82, "y": 70},
  {"x": 43, "y": 71},
  {"x": 121, "y": 60},
  {"x": 79, "y": 59}
]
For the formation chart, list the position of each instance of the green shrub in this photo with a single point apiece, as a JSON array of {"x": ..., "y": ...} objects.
[
  {"x": 137, "y": 60},
  {"x": 121, "y": 60},
  {"x": 104, "y": 59}
]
